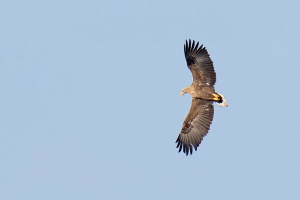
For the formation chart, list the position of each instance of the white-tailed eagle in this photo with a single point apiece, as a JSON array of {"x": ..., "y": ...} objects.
[{"x": 198, "y": 120}]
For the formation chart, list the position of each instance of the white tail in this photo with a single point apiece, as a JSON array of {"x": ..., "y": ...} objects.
[{"x": 223, "y": 103}]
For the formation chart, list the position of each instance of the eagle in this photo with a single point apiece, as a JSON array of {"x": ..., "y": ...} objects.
[{"x": 200, "y": 116}]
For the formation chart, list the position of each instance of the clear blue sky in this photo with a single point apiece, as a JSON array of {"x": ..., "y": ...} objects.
[{"x": 90, "y": 105}]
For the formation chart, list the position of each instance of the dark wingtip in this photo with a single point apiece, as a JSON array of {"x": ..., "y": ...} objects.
[
  {"x": 191, "y": 48},
  {"x": 185, "y": 147}
]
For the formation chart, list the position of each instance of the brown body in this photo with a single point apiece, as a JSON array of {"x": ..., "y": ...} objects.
[{"x": 201, "y": 92}]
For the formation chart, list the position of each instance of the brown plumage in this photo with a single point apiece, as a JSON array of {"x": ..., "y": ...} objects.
[{"x": 200, "y": 116}]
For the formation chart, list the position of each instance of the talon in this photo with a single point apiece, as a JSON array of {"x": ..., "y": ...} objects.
[{"x": 216, "y": 97}]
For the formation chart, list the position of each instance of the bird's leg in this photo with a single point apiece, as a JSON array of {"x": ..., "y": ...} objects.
[{"x": 216, "y": 97}]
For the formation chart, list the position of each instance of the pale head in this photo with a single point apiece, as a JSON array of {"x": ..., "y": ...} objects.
[{"x": 185, "y": 90}]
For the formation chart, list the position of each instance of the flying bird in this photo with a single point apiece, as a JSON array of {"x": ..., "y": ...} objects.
[{"x": 202, "y": 90}]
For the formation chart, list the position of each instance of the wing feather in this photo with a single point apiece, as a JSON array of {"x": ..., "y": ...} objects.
[
  {"x": 195, "y": 125},
  {"x": 200, "y": 64}
]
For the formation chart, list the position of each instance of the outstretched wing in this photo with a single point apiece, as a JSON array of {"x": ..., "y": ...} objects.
[
  {"x": 195, "y": 125},
  {"x": 200, "y": 64}
]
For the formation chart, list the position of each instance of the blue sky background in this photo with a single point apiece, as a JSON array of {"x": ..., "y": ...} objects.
[{"x": 90, "y": 105}]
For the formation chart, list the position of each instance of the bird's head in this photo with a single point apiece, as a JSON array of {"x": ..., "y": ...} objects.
[
  {"x": 188, "y": 89},
  {"x": 185, "y": 90}
]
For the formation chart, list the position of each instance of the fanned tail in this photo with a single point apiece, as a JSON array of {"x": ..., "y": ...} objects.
[{"x": 222, "y": 102}]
